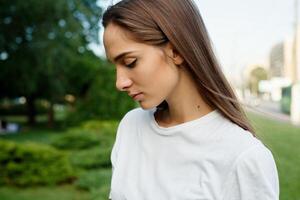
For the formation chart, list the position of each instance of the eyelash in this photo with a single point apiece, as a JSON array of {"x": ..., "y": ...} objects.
[{"x": 132, "y": 65}]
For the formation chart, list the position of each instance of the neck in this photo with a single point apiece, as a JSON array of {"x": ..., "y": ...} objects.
[{"x": 185, "y": 104}]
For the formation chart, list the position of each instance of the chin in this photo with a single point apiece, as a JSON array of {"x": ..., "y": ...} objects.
[{"x": 147, "y": 106}]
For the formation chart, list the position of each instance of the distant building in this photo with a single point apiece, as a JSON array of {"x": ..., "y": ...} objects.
[
  {"x": 281, "y": 59},
  {"x": 277, "y": 60},
  {"x": 288, "y": 59}
]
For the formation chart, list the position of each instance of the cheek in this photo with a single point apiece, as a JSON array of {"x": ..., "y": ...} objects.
[
  {"x": 166, "y": 82},
  {"x": 161, "y": 77}
]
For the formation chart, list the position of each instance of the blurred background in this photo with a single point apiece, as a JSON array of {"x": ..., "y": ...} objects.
[{"x": 59, "y": 108}]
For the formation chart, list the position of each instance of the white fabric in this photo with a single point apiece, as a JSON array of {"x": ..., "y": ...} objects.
[{"x": 209, "y": 158}]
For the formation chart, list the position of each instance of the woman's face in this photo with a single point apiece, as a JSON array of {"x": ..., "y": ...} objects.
[{"x": 140, "y": 68}]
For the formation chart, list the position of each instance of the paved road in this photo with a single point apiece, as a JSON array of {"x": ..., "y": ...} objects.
[{"x": 272, "y": 110}]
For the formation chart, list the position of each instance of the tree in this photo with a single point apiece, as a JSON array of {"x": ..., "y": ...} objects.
[
  {"x": 102, "y": 101},
  {"x": 256, "y": 75},
  {"x": 43, "y": 49}
]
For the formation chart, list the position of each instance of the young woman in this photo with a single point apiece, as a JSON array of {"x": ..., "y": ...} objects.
[{"x": 190, "y": 139}]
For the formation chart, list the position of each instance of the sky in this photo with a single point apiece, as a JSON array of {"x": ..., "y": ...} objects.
[{"x": 242, "y": 31}]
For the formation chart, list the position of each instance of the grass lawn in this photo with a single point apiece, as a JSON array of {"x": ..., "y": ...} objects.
[
  {"x": 284, "y": 141},
  {"x": 44, "y": 193}
]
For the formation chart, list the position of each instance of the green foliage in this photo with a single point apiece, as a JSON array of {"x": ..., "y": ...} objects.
[
  {"x": 94, "y": 179},
  {"x": 103, "y": 125},
  {"x": 91, "y": 144},
  {"x": 46, "y": 47},
  {"x": 77, "y": 139},
  {"x": 45, "y": 43},
  {"x": 105, "y": 130},
  {"x": 31, "y": 164},
  {"x": 100, "y": 194},
  {"x": 102, "y": 101},
  {"x": 90, "y": 161},
  {"x": 257, "y": 74},
  {"x": 44, "y": 40},
  {"x": 285, "y": 102},
  {"x": 96, "y": 157}
]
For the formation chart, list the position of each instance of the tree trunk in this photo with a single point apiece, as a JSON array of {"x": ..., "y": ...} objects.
[
  {"x": 51, "y": 115},
  {"x": 31, "y": 112}
]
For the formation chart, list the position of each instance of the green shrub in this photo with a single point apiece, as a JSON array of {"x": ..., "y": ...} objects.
[
  {"x": 106, "y": 130},
  {"x": 82, "y": 138},
  {"x": 94, "y": 179},
  {"x": 92, "y": 158},
  {"x": 100, "y": 193},
  {"x": 106, "y": 127},
  {"x": 77, "y": 139},
  {"x": 30, "y": 164}
]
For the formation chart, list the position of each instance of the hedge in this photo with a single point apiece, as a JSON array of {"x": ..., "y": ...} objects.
[
  {"x": 94, "y": 179},
  {"x": 76, "y": 139},
  {"x": 29, "y": 164},
  {"x": 94, "y": 158}
]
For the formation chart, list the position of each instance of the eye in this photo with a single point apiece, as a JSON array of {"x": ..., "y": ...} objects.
[{"x": 130, "y": 64}]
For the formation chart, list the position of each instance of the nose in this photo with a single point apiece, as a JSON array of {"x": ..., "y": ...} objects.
[{"x": 122, "y": 80}]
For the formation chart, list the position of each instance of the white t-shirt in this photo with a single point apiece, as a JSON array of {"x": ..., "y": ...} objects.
[{"x": 209, "y": 158}]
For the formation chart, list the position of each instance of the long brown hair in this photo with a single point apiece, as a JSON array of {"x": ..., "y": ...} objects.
[{"x": 179, "y": 22}]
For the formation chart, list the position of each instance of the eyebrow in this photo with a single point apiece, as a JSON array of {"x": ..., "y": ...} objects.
[{"x": 118, "y": 57}]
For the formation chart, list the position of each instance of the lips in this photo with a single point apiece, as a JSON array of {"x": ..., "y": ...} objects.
[{"x": 135, "y": 96}]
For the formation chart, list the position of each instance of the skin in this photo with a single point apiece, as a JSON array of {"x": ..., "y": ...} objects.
[{"x": 158, "y": 73}]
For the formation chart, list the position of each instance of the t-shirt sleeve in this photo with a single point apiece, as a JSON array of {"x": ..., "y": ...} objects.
[
  {"x": 114, "y": 152},
  {"x": 113, "y": 157},
  {"x": 254, "y": 176},
  {"x": 115, "y": 149}
]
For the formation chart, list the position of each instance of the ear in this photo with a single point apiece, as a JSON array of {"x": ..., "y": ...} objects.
[{"x": 173, "y": 54}]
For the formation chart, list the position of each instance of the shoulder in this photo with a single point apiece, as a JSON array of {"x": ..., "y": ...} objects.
[
  {"x": 242, "y": 146},
  {"x": 133, "y": 114},
  {"x": 127, "y": 127},
  {"x": 258, "y": 163},
  {"x": 234, "y": 138},
  {"x": 131, "y": 117},
  {"x": 254, "y": 158},
  {"x": 253, "y": 175}
]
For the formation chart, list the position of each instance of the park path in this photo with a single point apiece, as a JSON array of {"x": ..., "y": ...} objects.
[{"x": 271, "y": 110}]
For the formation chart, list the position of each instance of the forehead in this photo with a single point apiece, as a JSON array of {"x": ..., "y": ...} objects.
[{"x": 117, "y": 40}]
